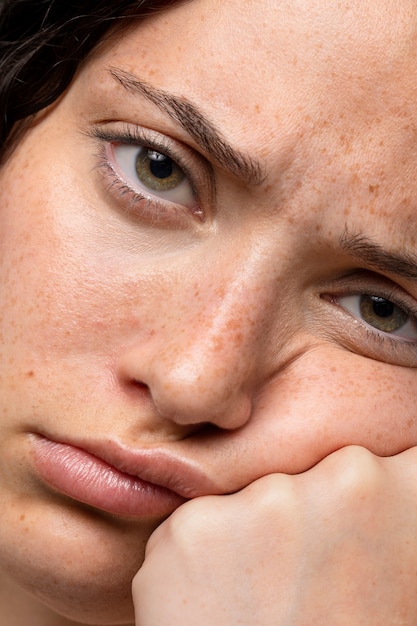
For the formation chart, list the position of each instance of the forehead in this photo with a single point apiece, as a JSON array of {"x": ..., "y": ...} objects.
[
  {"x": 281, "y": 47},
  {"x": 317, "y": 89}
]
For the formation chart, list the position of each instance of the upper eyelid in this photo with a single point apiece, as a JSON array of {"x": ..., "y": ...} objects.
[
  {"x": 141, "y": 136},
  {"x": 398, "y": 300},
  {"x": 370, "y": 283}
]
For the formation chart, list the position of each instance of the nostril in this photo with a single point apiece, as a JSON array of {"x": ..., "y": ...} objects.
[
  {"x": 141, "y": 387},
  {"x": 203, "y": 430},
  {"x": 137, "y": 391}
]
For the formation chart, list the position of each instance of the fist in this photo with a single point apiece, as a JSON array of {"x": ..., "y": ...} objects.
[{"x": 336, "y": 545}]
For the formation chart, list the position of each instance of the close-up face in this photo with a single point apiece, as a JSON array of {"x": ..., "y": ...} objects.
[{"x": 209, "y": 274}]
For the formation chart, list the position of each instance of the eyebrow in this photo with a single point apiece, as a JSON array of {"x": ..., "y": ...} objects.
[
  {"x": 197, "y": 125},
  {"x": 403, "y": 264}
]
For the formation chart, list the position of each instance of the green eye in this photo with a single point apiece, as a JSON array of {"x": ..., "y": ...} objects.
[
  {"x": 157, "y": 171},
  {"x": 382, "y": 314},
  {"x": 152, "y": 174}
]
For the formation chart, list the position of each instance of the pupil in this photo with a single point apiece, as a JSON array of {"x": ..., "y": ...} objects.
[
  {"x": 382, "y": 307},
  {"x": 160, "y": 165}
]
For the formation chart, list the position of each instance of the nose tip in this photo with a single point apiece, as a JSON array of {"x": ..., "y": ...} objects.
[
  {"x": 189, "y": 385},
  {"x": 188, "y": 396}
]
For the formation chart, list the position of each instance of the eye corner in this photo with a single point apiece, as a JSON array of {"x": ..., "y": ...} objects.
[{"x": 327, "y": 297}]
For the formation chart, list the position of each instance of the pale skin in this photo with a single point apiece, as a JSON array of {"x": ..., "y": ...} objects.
[{"x": 221, "y": 324}]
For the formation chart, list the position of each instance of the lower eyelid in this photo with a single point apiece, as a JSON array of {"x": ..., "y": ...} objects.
[
  {"x": 138, "y": 205},
  {"x": 350, "y": 333}
]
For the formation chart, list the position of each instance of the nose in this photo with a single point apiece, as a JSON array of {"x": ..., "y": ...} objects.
[{"x": 205, "y": 363}]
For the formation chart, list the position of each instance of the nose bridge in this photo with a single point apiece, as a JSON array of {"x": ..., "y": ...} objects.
[{"x": 207, "y": 370}]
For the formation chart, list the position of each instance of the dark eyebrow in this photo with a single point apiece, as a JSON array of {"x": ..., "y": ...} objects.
[
  {"x": 403, "y": 264},
  {"x": 197, "y": 126}
]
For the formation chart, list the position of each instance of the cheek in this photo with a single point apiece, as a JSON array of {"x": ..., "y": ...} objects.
[
  {"x": 331, "y": 398},
  {"x": 55, "y": 292}
]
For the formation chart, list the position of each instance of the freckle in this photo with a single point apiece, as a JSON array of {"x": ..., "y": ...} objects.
[
  {"x": 22, "y": 517},
  {"x": 218, "y": 344}
]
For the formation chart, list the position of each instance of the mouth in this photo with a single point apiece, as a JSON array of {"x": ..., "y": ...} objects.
[{"x": 143, "y": 483}]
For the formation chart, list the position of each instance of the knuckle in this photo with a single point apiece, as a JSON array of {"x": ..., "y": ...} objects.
[
  {"x": 196, "y": 517},
  {"x": 186, "y": 531},
  {"x": 273, "y": 494},
  {"x": 358, "y": 471}
]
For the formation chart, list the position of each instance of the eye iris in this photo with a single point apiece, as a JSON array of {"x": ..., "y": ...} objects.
[
  {"x": 157, "y": 171},
  {"x": 382, "y": 314}
]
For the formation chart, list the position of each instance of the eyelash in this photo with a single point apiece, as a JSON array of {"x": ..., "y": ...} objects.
[
  {"x": 397, "y": 347},
  {"x": 135, "y": 202}
]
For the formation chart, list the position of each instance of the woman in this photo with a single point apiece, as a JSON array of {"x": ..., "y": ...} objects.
[{"x": 208, "y": 323}]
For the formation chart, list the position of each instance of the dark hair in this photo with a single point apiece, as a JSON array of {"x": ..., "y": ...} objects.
[{"x": 42, "y": 43}]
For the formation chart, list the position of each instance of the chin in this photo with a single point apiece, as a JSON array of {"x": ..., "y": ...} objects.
[
  {"x": 77, "y": 564},
  {"x": 42, "y": 594},
  {"x": 98, "y": 605}
]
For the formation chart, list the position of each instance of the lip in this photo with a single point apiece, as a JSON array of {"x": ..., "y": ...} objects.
[{"x": 143, "y": 483}]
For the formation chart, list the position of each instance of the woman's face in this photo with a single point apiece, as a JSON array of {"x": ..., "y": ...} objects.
[{"x": 208, "y": 263}]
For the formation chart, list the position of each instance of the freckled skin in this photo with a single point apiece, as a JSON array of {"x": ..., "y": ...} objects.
[{"x": 211, "y": 339}]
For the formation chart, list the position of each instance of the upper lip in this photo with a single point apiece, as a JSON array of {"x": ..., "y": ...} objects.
[{"x": 154, "y": 465}]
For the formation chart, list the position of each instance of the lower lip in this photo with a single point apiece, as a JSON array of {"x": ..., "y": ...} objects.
[{"x": 87, "y": 479}]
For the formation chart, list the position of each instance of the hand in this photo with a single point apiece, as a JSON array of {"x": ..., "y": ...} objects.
[{"x": 336, "y": 545}]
